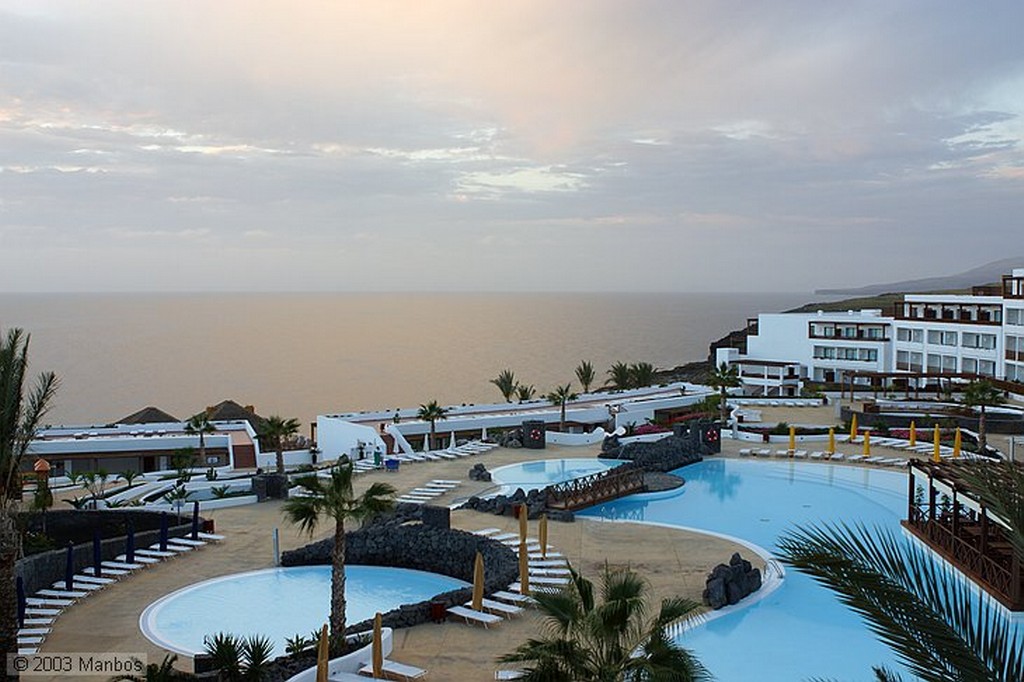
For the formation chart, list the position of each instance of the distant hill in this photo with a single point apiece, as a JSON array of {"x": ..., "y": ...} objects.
[{"x": 984, "y": 274}]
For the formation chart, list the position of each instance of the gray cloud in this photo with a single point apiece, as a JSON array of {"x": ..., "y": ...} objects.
[{"x": 576, "y": 145}]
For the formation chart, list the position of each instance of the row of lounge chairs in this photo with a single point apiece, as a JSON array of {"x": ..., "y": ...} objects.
[
  {"x": 45, "y": 605},
  {"x": 428, "y": 491},
  {"x": 465, "y": 450},
  {"x": 820, "y": 455}
]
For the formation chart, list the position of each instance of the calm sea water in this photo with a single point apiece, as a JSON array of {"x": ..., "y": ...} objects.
[{"x": 299, "y": 355}]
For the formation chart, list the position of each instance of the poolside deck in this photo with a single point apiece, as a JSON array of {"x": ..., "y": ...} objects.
[{"x": 675, "y": 562}]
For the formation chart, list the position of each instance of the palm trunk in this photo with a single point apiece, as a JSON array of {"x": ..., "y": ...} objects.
[
  {"x": 338, "y": 587},
  {"x": 280, "y": 459},
  {"x": 561, "y": 423},
  {"x": 10, "y": 542},
  {"x": 202, "y": 449},
  {"x": 982, "y": 440},
  {"x": 432, "y": 435},
  {"x": 723, "y": 409}
]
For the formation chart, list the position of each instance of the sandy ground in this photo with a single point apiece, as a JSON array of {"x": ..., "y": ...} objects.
[{"x": 675, "y": 563}]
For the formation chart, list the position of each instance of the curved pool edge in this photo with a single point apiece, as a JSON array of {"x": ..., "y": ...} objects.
[
  {"x": 769, "y": 581},
  {"x": 147, "y": 619}
]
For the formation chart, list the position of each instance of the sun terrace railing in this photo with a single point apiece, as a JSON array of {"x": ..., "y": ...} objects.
[
  {"x": 988, "y": 558},
  {"x": 594, "y": 488}
]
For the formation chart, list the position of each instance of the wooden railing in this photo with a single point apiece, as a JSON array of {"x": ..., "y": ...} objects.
[
  {"x": 1001, "y": 575},
  {"x": 594, "y": 488}
]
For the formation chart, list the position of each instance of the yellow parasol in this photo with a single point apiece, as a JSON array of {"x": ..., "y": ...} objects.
[
  {"x": 522, "y": 523},
  {"x": 478, "y": 583},
  {"x": 913, "y": 434},
  {"x": 524, "y": 568},
  {"x": 378, "y": 649},
  {"x": 935, "y": 450},
  {"x": 792, "y": 438},
  {"x": 867, "y": 443},
  {"x": 542, "y": 530},
  {"x": 957, "y": 443},
  {"x": 322, "y": 656},
  {"x": 831, "y": 441},
  {"x": 853, "y": 427}
]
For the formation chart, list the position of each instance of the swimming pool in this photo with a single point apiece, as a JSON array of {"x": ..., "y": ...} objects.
[
  {"x": 800, "y": 630},
  {"x": 281, "y": 603},
  {"x": 539, "y": 474}
]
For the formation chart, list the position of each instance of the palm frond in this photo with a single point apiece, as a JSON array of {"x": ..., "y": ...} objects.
[{"x": 919, "y": 608}]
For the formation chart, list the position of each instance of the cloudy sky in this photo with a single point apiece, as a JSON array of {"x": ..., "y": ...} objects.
[{"x": 520, "y": 145}]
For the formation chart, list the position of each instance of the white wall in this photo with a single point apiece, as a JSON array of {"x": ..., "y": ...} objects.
[{"x": 336, "y": 437}]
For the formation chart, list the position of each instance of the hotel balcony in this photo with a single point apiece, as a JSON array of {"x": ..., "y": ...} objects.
[
  {"x": 1013, "y": 286},
  {"x": 951, "y": 313}
]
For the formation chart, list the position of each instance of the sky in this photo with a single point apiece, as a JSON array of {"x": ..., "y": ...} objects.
[{"x": 451, "y": 145}]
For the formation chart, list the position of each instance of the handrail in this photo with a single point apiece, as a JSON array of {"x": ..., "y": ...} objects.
[{"x": 598, "y": 487}]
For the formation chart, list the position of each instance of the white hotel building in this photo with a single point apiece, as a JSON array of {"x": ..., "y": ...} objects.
[{"x": 930, "y": 335}]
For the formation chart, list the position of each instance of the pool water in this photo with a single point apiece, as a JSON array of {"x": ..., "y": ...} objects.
[
  {"x": 801, "y": 630},
  {"x": 281, "y": 603},
  {"x": 540, "y": 474}
]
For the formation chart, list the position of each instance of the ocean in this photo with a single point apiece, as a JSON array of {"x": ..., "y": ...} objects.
[{"x": 299, "y": 355}]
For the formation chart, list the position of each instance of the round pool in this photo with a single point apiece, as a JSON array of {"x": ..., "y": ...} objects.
[
  {"x": 281, "y": 603},
  {"x": 542, "y": 473}
]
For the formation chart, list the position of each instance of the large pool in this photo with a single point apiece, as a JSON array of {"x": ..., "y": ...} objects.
[
  {"x": 800, "y": 630},
  {"x": 542, "y": 473},
  {"x": 281, "y": 603}
]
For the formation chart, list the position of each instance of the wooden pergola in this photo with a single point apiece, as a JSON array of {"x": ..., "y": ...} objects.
[
  {"x": 880, "y": 381},
  {"x": 952, "y": 520}
]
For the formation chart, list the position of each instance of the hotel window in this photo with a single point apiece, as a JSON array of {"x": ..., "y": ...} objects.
[
  {"x": 972, "y": 340},
  {"x": 934, "y": 362},
  {"x": 934, "y": 337},
  {"x": 948, "y": 338},
  {"x": 917, "y": 335},
  {"x": 916, "y": 362},
  {"x": 902, "y": 334},
  {"x": 1014, "y": 372},
  {"x": 970, "y": 365},
  {"x": 948, "y": 363},
  {"x": 902, "y": 360},
  {"x": 868, "y": 354},
  {"x": 986, "y": 368},
  {"x": 1015, "y": 316}
]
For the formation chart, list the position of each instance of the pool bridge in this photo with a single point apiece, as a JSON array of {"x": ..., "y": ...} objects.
[{"x": 596, "y": 488}]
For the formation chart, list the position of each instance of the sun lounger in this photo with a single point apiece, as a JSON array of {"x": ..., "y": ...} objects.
[
  {"x": 155, "y": 551},
  {"x": 744, "y": 452},
  {"x": 855, "y": 458},
  {"x": 92, "y": 579},
  {"x": 48, "y": 603},
  {"x": 61, "y": 594},
  {"x": 445, "y": 480},
  {"x": 518, "y": 587},
  {"x": 426, "y": 492},
  {"x": 411, "y": 500},
  {"x": 441, "y": 486},
  {"x": 817, "y": 454},
  {"x": 502, "y": 537},
  {"x": 78, "y": 586},
  {"x": 533, "y": 556},
  {"x": 800, "y": 454},
  {"x": 513, "y": 598},
  {"x": 837, "y": 457},
  {"x": 486, "y": 532},
  {"x": 37, "y": 622},
  {"x": 471, "y": 616},
  {"x": 107, "y": 571},
  {"x": 508, "y": 674},
  {"x": 38, "y": 611},
  {"x": 548, "y": 563},
  {"x": 120, "y": 566},
  {"x": 536, "y": 571},
  {"x": 499, "y": 608},
  {"x": 548, "y": 580},
  {"x": 782, "y": 453},
  {"x": 396, "y": 671},
  {"x": 138, "y": 559},
  {"x": 32, "y": 632}
]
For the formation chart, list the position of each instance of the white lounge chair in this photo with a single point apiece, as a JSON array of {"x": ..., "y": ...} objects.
[
  {"x": 508, "y": 674},
  {"x": 472, "y": 616},
  {"x": 498, "y": 608},
  {"x": 513, "y": 598},
  {"x": 396, "y": 671},
  {"x": 61, "y": 594},
  {"x": 486, "y": 532}
]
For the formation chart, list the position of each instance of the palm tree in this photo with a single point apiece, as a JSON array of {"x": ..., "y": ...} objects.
[
  {"x": 525, "y": 392},
  {"x": 928, "y": 615},
  {"x": 275, "y": 431},
  {"x": 982, "y": 394},
  {"x": 724, "y": 377},
  {"x": 560, "y": 396},
  {"x": 619, "y": 376},
  {"x": 585, "y": 374},
  {"x": 607, "y": 642},
  {"x": 642, "y": 374},
  {"x": 335, "y": 500},
  {"x": 506, "y": 383},
  {"x": 431, "y": 412},
  {"x": 21, "y": 414},
  {"x": 200, "y": 424}
]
